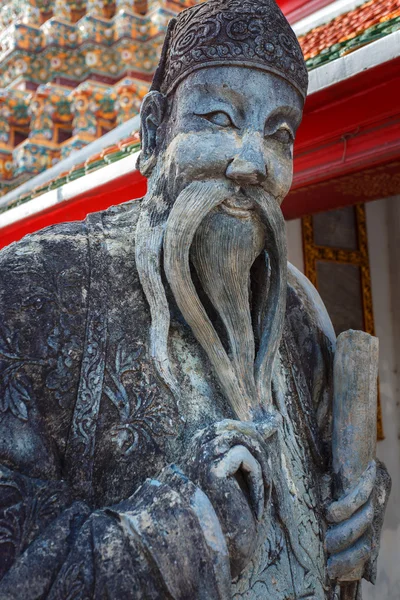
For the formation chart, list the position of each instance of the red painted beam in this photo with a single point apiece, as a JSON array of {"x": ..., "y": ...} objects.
[
  {"x": 361, "y": 186},
  {"x": 347, "y": 129},
  {"x": 120, "y": 190},
  {"x": 349, "y": 126},
  {"x": 294, "y": 10},
  {"x": 365, "y": 146},
  {"x": 357, "y": 102}
]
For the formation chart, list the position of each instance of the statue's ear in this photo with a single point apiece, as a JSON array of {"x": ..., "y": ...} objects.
[{"x": 151, "y": 116}]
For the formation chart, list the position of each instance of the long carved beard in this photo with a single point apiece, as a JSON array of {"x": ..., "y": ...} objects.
[{"x": 224, "y": 250}]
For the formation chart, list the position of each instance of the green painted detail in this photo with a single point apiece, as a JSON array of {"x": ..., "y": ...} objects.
[
  {"x": 57, "y": 183},
  {"x": 40, "y": 190},
  {"x": 327, "y": 55},
  {"x": 97, "y": 164},
  {"x": 132, "y": 148},
  {"x": 111, "y": 158},
  {"x": 366, "y": 37},
  {"x": 76, "y": 174}
]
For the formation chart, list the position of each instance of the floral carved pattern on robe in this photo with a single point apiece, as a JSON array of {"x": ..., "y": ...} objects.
[
  {"x": 49, "y": 299},
  {"x": 135, "y": 395},
  {"x": 31, "y": 506}
]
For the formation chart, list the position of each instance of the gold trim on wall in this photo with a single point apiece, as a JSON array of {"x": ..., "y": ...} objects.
[{"x": 359, "y": 257}]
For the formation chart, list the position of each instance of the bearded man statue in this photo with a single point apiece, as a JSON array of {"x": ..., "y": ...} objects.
[{"x": 166, "y": 391}]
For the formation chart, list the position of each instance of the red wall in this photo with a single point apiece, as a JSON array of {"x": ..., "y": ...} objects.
[{"x": 349, "y": 137}]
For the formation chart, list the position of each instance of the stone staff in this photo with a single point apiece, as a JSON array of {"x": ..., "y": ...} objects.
[{"x": 354, "y": 420}]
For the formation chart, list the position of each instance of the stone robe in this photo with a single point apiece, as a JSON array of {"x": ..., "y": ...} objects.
[{"x": 90, "y": 506}]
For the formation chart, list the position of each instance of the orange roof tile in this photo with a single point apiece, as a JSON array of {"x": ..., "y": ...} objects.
[
  {"x": 348, "y": 26},
  {"x": 344, "y": 34}
]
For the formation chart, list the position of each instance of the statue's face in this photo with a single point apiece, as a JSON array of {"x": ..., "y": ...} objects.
[
  {"x": 221, "y": 162},
  {"x": 236, "y": 123}
]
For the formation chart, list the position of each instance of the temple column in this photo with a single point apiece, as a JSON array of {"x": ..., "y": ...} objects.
[
  {"x": 6, "y": 166},
  {"x": 41, "y": 110},
  {"x": 84, "y": 109},
  {"x": 130, "y": 94},
  {"x": 95, "y": 8},
  {"x": 31, "y": 13},
  {"x": 39, "y": 151},
  {"x": 62, "y": 10}
]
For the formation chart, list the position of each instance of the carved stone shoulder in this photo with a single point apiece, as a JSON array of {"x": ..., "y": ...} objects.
[
  {"x": 43, "y": 289},
  {"x": 307, "y": 296},
  {"x": 121, "y": 217},
  {"x": 316, "y": 340}
]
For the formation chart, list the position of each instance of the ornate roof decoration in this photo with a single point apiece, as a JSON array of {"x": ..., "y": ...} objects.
[
  {"x": 349, "y": 31},
  {"x": 41, "y": 124},
  {"x": 70, "y": 71}
]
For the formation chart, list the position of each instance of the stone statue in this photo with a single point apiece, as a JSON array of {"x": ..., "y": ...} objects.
[{"x": 167, "y": 382}]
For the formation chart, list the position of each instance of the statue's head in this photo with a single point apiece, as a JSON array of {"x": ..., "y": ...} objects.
[
  {"x": 227, "y": 97},
  {"x": 217, "y": 130}
]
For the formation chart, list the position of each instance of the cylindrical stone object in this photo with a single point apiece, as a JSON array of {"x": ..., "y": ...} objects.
[{"x": 355, "y": 374}]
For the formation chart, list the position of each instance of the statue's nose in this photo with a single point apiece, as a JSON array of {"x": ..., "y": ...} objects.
[{"x": 248, "y": 167}]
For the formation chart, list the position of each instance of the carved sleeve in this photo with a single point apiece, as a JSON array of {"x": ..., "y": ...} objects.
[
  {"x": 40, "y": 326},
  {"x": 51, "y": 545},
  {"x": 163, "y": 542}
]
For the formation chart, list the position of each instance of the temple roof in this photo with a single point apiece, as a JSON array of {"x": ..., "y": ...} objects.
[
  {"x": 323, "y": 44},
  {"x": 350, "y": 31},
  {"x": 70, "y": 71}
]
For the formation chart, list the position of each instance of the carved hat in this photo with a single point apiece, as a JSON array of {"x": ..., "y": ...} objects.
[{"x": 249, "y": 33}]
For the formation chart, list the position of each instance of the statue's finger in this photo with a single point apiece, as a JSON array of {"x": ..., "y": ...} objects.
[
  {"x": 230, "y": 433},
  {"x": 270, "y": 424},
  {"x": 343, "y": 509},
  {"x": 226, "y": 433},
  {"x": 240, "y": 461},
  {"x": 343, "y": 564},
  {"x": 342, "y": 536},
  {"x": 253, "y": 435},
  {"x": 260, "y": 430},
  {"x": 230, "y": 425}
]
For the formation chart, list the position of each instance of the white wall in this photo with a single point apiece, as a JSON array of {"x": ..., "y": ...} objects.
[
  {"x": 295, "y": 243},
  {"x": 383, "y": 223}
]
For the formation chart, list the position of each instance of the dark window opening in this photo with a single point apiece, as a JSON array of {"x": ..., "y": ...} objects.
[
  {"x": 140, "y": 6},
  {"x": 19, "y": 135},
  {"x": 63, "y": 134}
]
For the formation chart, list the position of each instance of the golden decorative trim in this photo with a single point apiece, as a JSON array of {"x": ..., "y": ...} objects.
[
  {"x": 359, "y": 257},
  {"x": 354, "y": 183}
]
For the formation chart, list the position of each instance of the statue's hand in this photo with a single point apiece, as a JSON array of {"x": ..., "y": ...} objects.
[
  {"x": 348, "y": 540},
  {"x": 228, "y": 462}
]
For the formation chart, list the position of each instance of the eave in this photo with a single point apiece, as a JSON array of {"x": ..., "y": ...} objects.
[{"x": 351, "y": 125}]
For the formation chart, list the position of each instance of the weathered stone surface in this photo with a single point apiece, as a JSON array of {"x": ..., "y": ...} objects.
[{"x": 166, "y": 400}]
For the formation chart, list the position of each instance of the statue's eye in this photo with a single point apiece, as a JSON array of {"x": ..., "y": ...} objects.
[
  {"x": 219, "y": 118},
  {"x": 283, "y": 135}
]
